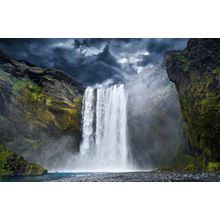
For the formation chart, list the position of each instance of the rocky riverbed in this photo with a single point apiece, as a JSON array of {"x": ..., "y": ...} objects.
[{"x": 120, "y": 177}]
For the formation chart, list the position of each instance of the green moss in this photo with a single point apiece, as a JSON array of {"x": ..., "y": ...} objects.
[
  {"x": 12, "y": 164},
  {"x": 26, "y": 91},
  {"x": 4, "y": 154},
  {"x": 200, "y": 107},
  {"x": 182, "y": 57},
  {"x": 217, "y": 70},
  {"x": 190, "y": 163},
  {"x": 35, "y": 114},
  {"x": 184, "y": 60},
  {"x": 213, "y": 166},
  {"x": 197, "y": 79},
  {"x": 68, "y": 117},
  {"x": 182, "y": 162},
  {"x": 39, "y": 105},
  {"x": 184, "y": 159}
]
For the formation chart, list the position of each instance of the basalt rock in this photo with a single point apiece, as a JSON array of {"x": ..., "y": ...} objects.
[
  {"x": 196, "y": 74},
  {"x": 13, "y": 164},
  {"x": 40, "y": 112}
]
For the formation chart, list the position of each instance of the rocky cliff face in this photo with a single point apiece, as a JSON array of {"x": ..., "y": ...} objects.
[
  {"x": 40, "y": 112},
  {"x": 196, "y": 74},
  {"x": 13, "y": 164}
]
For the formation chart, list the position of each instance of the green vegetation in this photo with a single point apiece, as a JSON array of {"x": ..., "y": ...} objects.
[
  {"x": 27, "y": 91},
  {"x": 184, "y": 60},
  {"x": 201, "y": 109},
  {"x": 188, "y": 163},
  {"x": 39, "y": 108},
  {"x": 12, "y": 164},
  {"x": 197, "y": 79},
  {"x": 182, "y": 162},
  {"x": 217, "y": 70},
  {"x": 42, "y": 106},
  {"x": 213, "y": 166}
]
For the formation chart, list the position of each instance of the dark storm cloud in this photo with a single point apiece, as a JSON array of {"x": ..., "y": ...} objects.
[
  {"x": 158, "y": 47},
  {"x": 100, "y": 41},
  {"x": 90, "y": 42},
  {"x": 92, "y": 60}
]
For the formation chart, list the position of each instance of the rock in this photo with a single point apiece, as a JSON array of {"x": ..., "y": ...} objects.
[
  {"x": 12, "y": 164},
  {"x": 7, "y": 129},
  {"x": 39, "y": 108},
  {"x": 196, "y": 74}
]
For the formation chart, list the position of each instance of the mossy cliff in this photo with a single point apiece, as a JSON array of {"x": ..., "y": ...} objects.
[
  {"x": 12, "y": 164},
  {"x": 196, "y": 73},
  {"x": 40, "y": 112}
]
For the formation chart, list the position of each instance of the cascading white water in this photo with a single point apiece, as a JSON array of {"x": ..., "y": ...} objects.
[
  {"x": 88, "y": 121},
  {"x": 112, "y": 143},
  {"x": 105, "y": 128}
]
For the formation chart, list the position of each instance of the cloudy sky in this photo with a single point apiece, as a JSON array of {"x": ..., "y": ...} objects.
[{"x": 92, "y": 60}]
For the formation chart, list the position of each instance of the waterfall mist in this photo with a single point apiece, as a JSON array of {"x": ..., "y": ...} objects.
[
  {"x": 132, "y": 126},
  {"x": 155, "y": 124}
]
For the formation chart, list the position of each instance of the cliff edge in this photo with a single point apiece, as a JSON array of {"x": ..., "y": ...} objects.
[
  {"x": 40, "y": 112},
  {"x": 196, "y": 73}
]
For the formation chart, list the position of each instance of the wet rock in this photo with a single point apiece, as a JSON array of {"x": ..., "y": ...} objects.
[
  {"x": 40, "y": 111},
  {"x": 196, "y": 74},
  {"x": 11, "y": 164}
]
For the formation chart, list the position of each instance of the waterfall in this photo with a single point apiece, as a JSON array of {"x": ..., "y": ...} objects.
[
  {"x": 88, "y": 121},
  {"x": 104, "y": 128}
]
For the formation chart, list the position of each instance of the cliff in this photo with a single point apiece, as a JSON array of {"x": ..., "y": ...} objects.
[
  {"x": 196, "y": 73},
  {"x": 40, "y": 112},
  {"x": 12, "y": 164}
]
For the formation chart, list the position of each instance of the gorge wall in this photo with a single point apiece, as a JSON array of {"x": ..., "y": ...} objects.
[
  {"x": 40, "y": 112},
  {"x": 13, "y": 164},
  {"x": 196, "y": 74}
]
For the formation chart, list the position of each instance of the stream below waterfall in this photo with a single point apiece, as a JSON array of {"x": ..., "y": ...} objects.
[{"x": 117, "y": 177}]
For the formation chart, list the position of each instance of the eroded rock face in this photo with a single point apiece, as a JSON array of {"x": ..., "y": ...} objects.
[
  {"x": 40, "y": 112},
  {"x": 196, "y": 74},
  {"x": 12, "y": 164}
]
